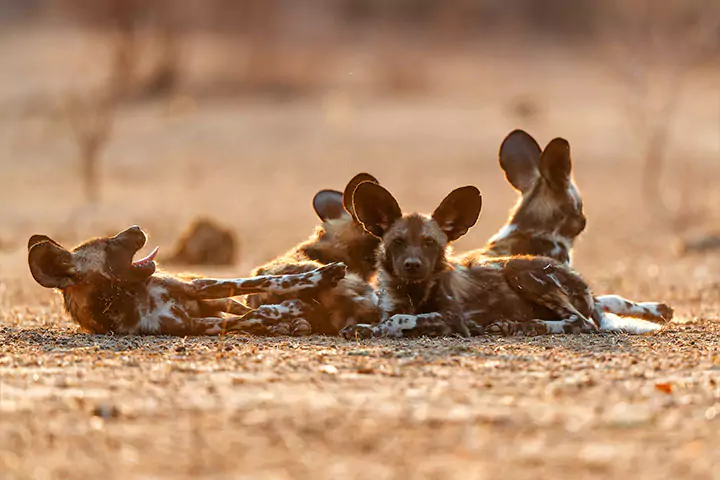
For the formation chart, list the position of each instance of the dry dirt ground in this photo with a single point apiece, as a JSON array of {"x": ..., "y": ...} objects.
[{"x": 82, "y": 406}]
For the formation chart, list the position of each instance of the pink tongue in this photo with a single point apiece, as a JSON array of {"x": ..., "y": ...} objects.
[{"x": 147, "y": 259}]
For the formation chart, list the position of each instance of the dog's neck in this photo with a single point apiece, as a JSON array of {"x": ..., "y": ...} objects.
[
  {"x": 515, "y": 240},
  {"x": 411, "y": 297},
  {"x": 102, "y": 305}
]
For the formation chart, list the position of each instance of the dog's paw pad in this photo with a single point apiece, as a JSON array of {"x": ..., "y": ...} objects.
[{"x": 357, "y": 331}]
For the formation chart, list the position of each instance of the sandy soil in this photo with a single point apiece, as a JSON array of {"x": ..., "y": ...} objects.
[{"x": 80, "y": 406}]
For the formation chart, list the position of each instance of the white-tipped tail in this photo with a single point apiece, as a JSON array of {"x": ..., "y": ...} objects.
[{"x": 612, "y": 323}]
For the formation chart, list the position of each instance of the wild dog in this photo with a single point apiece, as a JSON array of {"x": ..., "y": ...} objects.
[
  {"x": 105, "y": 290},
  {"x": 340, "y": 238},
  {"x": 424, "y": 290},
  {"x": 549, "y": 215}
]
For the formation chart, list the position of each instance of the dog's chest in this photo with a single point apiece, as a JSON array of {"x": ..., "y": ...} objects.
[{"x": 161, "y": 308}]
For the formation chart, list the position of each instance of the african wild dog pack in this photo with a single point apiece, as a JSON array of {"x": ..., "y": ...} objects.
[{"x": 369, "y": 270}]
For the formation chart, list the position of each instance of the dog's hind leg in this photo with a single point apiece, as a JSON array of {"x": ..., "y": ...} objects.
[
  {"x": 554, "y": 287},
  {"x": 656, "y": 312},
  {"x": 326, "y": 276}
]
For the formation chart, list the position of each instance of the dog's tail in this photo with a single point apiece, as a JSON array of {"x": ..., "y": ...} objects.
[{"x": 609, "y": 322}]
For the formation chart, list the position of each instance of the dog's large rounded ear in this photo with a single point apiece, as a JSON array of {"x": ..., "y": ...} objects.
[
  {"x": 519, "y": 157},
  {"x": 555, "y": 164},
  {"x": 376, "y": 209},
  {"x": 458, "y": 212},
  {"x": 51, "y": 265},
  {"x": 328, "y": 204},
  {"x": 350, "y": 191},
  {"x": 35, "y": 239}
]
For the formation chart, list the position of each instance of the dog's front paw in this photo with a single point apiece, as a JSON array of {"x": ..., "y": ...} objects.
[
  {"x": 331, "y": 274},
  {"x": 665, "y": 312},
  {"x": 300, "y": 328},
  {"x": 358, "y": 331}
]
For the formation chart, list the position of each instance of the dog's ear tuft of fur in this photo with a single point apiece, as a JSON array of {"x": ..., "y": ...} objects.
[
  {"x": 555, "y": 164},
  {"x": 458, "y": 212},
  {"x": 347, "y": 196},
  {"x": 519, "y": 157},
  {"x": 50, "y": 264},
  {"x": 328, "y": 204},
  {"x": 376, "y": 208}
]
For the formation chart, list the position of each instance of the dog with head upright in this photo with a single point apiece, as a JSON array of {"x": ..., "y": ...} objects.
[
  {"x": 340, "y": 238},
  {"x": 106, "y": 291},
  {"x": 424, "y": 290},
  {"x": 549, "y": 216}
]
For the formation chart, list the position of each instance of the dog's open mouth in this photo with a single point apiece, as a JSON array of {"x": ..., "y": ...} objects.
[{"x": 146, "y": 261}]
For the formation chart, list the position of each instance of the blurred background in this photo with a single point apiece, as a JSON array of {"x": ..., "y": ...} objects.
[{"x": 159, "y": 112}]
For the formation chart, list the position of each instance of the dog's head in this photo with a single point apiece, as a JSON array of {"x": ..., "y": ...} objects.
[
  {"x": 551, "y": 202},
  {"x": 106, "y": 258},
  {"x": 342, "y": 236},
  {"x": 413, "y": 247}
]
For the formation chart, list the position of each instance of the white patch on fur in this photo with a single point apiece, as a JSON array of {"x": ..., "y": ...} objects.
[
  {"x": 554, "y": 326},
  {"x": 612, "y": 323},
  {"x": 151, "y": 320},
  {"x": 395, "y": 325},
  {"x": 504, "y": 232}
]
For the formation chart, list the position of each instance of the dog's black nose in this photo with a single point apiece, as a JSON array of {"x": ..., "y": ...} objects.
[{"x": 412, "y": 265}]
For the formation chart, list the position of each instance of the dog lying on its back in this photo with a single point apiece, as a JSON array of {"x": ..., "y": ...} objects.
[
  {"x": 105, "y": 290},
  {"x": 549, "y": 215},
  {"x": 424, "y": 291},
  {"x": 340, "y": 238}
]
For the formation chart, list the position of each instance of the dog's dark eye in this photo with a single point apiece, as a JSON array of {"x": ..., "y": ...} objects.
[
  {"x": 398, "y": 242},
  {"x": 429, "y": 242}
]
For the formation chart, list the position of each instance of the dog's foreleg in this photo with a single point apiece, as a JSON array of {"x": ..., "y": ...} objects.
[
  {"x": 401, "y": 326},
  {"x": 326, "y": 276}
]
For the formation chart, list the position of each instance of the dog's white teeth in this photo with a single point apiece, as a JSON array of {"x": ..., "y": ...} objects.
[{"x": 148, "y": 259}]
